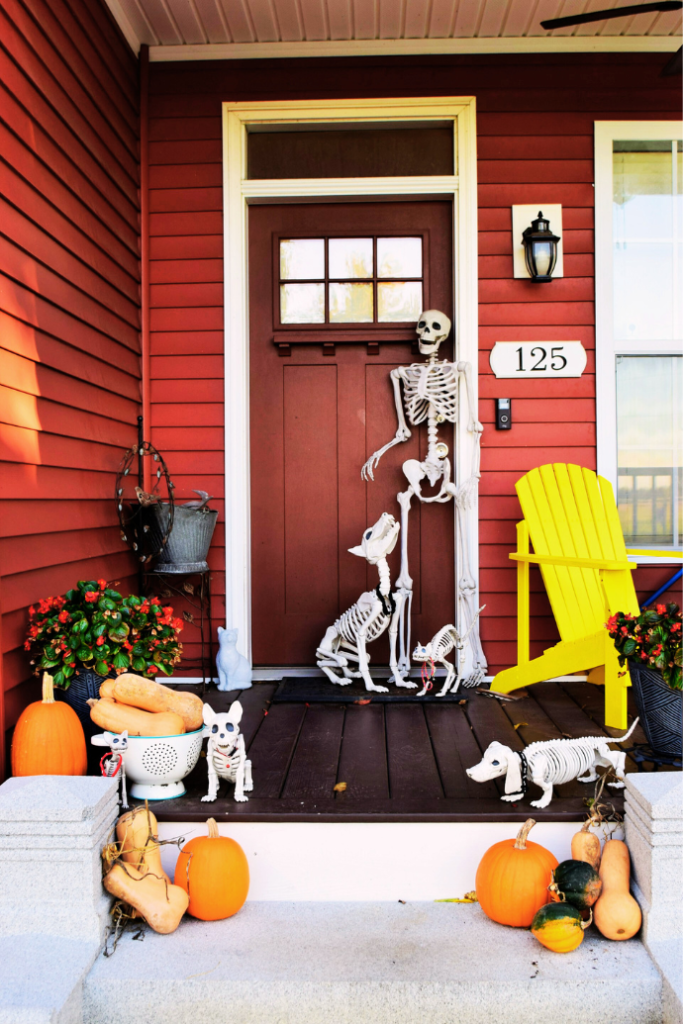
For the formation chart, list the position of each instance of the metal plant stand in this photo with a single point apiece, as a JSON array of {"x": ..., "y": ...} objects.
[{"x": 199, "y": 599}]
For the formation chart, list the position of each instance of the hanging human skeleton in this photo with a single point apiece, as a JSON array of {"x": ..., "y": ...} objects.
[{"x": 430, "y": 395}]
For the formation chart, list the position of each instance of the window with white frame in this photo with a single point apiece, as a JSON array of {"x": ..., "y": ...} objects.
[{"x": 639, "y": 319}]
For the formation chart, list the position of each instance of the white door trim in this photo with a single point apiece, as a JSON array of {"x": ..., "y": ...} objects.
[{"x": 238, "y": 192}]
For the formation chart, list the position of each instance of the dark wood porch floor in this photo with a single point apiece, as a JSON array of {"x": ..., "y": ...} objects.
[{"x": 401, "y": 762}]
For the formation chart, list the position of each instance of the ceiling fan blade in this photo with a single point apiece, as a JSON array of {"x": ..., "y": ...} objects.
[
  {"x": 674, "y": 66},
  {"x": 615, "y": 12}
]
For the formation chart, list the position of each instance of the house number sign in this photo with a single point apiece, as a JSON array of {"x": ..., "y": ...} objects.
[{"x": 515, "y": 359}]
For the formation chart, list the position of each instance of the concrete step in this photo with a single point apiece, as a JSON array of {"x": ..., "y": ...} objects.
[{"x": 368, "y": 963}]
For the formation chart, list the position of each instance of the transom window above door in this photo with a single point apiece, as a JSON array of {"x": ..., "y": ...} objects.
[{"x": 355, "y": 280}]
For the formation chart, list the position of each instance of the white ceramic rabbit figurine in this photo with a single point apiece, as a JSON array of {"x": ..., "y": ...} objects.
[{"x": 234, "y": 672}]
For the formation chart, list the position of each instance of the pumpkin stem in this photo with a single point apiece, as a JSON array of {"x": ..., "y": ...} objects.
[
  {"x": 48, "y": 689},
  {"x": 522, "y": 835},
  {"x": 589, "y": 922},
  {"x": 213, "y": 828}
]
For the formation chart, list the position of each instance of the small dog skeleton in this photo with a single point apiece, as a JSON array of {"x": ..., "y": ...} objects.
[
  {"x": 549, "y": 763},
  {"x": 226, "y": 754},
  {"x": 368, "y": 618},
  {"x": 112, "y": 764},
  {"x": 437, "y": 650}
]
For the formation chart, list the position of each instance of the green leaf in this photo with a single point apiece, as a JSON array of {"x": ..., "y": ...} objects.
[
  {"x": 84, "y": 654},
  {"x": 119, "y": 633},
  {"x": 58, "y": 679},
  {"x": 106, "y": 605},
  {"x": 49, "y": 662},
  {"x": 121, "y": 660},
  {"x": 139, "y": 664},
  {"x": 134, "y": 602},
  {"x": 629, "y": 646},
  {"x": 67, "y": 671},
  {"x": 71, "y": 595},
  {"x": 113, "y": 595},
  {"x": 115, "y": 618},
  {"x": 165, "y": 669},
  {"x": 99, "y": 629},
  {"x": 101, "y": 668}
]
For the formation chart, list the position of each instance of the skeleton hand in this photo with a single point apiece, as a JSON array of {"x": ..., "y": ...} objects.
[{"x": 367, "y": 472}]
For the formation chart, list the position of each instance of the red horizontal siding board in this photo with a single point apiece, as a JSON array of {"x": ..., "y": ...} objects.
[
  {"x": 22, "y": 518},
  {"x": 186, "y": 175},
  {"x": 538, "y": 170},
  {"x": 504, "y": 147},
  {"x": 191, "y": 151},
  {"x": 185, "y": 271},
  {"x": 180, "y": 343},
  {"x": 186, "y": 247},
  {"x": 198, "y": 391},
  {"x": 195, "y": 319},
  {"x": 173, "y": 129},
  {"x": 185, "y": 415},
  {"x": 181, "y": 200}
]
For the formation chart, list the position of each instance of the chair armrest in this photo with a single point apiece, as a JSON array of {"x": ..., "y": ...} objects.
[
  {"x": 574, "y": 563},
  {"x": 673, "y": 556}
]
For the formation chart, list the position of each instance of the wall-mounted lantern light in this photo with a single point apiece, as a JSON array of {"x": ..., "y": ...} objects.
[{"x": 540, "y": 249}]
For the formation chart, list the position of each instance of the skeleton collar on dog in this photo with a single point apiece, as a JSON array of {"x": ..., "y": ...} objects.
[
  {"x": 524, "y": 765},
  {"x": 383, "y": 598}
]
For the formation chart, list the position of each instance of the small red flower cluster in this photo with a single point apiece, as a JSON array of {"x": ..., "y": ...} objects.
[{"x": 652, "y": 638}]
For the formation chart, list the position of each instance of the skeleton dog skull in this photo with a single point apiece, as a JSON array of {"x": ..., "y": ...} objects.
[
  {"x": 433, "y": 327},
  {"x": 378, "y": 540}
]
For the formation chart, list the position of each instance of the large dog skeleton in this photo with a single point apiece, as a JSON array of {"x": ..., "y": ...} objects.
[
  {"x": 430, "y": 394},
  {"x": 368, "y": 618}
]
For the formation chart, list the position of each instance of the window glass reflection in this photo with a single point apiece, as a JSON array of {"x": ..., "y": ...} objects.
[
  {"x": 302, "y": 258},
  {"x": 399, "y": 257},
  {"x": 398, "y": 301},
  {"x": 351, "y": 303},
  {"x": 302, "y": 303},
  {"x": 650, "y": 460},
  {"x": 350, "y": 257}
]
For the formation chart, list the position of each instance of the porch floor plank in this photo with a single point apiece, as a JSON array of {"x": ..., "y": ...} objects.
[
  {"x": 363, "y": 760},
  {"x": 401, "y": 762}
]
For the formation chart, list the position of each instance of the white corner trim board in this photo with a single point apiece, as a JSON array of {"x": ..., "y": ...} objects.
[
  {"x": 238, "y": 191},
  {"x": 406, "y": 47}
]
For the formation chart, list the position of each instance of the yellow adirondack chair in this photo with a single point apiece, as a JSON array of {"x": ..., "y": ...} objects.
[{"x": 571, "y": 518}]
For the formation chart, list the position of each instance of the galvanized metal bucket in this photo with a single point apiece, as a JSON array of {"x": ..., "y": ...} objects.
[{"x": 189, "y": 540}]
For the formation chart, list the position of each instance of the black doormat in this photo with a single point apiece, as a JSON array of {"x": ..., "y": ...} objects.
[{"x": 316, "y": 690}]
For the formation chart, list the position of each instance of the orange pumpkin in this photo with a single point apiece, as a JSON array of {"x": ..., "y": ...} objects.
[
  {"x": 214, "y": 872},
  {"x": 48, "y": 738},
  {"x": 513, "y": 878}
]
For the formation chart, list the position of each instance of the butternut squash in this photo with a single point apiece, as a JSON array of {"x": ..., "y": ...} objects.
[
  {"x": 586, "y": 846},
  {"x": 115, "y": 717},
  {"x": 161, "y": 905},
  {"x": 152, "y": 696},
  {"x": 616, "y": 913},
  {"x": 107, "y": 688},
  {"x": 138, "y": 834}
]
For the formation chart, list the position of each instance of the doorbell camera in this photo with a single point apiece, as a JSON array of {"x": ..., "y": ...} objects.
[{"x": 503, "y": 413}]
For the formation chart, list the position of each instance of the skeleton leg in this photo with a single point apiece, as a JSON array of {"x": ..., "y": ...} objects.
[
  {"x": 213, "y": 781},
  {"x": 240, "y": 795},
  {"x": 467, "y": 594},
  {"x": 618, "y": 759},
  {"x": 329, "y": 658},
  {"x": 124, "y": 794},
  {"x": 450, "y": 676},
  {"x": 539, "y": 777},
  {"x": 363, "y": 659},
  {"x": 248, "y": 780},
  {"x": 396, "y": 619}
]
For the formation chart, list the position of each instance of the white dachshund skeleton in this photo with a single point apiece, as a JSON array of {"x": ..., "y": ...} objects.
[
  {"x": 430, "y": 394},
  {"x": 368, "y": 618},
  {"x": 438, "y": 649},
  {"x": 549, "y": 763},
  {"x": 226, "y": 754}
]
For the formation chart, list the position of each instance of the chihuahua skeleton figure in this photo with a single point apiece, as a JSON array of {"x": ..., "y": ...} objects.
[
  {"x": 226, "y": 754},
  {"x": 431, "y": 395}
]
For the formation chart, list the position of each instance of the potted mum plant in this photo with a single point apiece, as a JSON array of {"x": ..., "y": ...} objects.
[
  {"x": 92, "y": 633},
  {"x": 651, "y": 644}
]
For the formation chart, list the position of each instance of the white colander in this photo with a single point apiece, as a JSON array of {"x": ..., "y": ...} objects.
[{"x": 156, "y": 765}]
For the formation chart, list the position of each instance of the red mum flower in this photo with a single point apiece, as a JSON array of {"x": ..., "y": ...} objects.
[
  {"x": 63, "y": 616},
  {"x": 178, "y": 624},
  {"x": 99, "y": 641},
  {"x": 661, "y": 609},
  {"x": 31, "y": 612},
  {"x": 27, "y": 645},
  {"x": 91, "y": 596},
  {"x": 675, "y": 627},
  {"x": 155, "y": 600},
  {"x": 624, "y": 630},
  {"x": 102, "y": 584}
]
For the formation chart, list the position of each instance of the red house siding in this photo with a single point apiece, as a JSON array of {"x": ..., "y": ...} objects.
[
  {"x": 69, "y": 307},
  {"x": 535, "y": 144}
]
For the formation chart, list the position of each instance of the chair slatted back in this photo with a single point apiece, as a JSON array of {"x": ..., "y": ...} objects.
[{"x": 571, "y": 512}]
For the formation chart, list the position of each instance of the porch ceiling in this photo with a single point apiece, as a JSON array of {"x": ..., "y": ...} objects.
[{"x": 205, "y": 29}]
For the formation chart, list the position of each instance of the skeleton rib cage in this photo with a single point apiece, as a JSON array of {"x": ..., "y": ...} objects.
[
  {"x": 430, "y": 388},
  {"x": 353, "y": 620}
]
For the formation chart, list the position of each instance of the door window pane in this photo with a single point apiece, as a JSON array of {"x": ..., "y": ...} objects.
[
  {"x": 647, "y": 218},
  {"x": 399, "y": 301},
  {"x": 650, "y": 461},
  {"x": 351, "y": 303},
  {"x": 399, "y": 257},
  {"x": 350, "y": 257},
  {"x": 302, "y": 303},
  {"x": 302, "y": 258}
]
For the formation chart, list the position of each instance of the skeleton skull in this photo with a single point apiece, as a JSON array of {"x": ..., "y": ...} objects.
[
  {"x": 433, "y": 327},
  {"x": 378, "y": 540}
]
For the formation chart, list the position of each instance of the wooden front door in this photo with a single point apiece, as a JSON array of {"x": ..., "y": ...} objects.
[{"x": 335, "y": 293}]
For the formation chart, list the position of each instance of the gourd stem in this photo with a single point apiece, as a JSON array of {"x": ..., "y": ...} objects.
[
  {"x": 522, "y": 835},
  {"x": 213, "y": 828},
  {"x": 48, "y": 689}
]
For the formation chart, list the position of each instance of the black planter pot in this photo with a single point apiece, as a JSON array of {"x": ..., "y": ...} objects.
[
  {"x": 84, "y": 685},
  {"x": 660, "y": 709}
]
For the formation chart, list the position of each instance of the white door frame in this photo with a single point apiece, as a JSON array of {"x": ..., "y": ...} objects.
[{"x": 238, "y": 192}]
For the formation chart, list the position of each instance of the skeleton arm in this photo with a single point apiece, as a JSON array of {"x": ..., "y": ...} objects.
[
  {"x": 402, "y": 432},
  {"x": 474, "y": 426}
]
